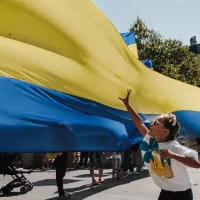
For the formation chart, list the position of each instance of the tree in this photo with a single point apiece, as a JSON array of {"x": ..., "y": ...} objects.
[{"x": 170, "y": 57}]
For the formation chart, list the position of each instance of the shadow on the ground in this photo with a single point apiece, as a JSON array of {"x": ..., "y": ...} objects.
[
  {"x": 85, "y": 191},
  {"x": 49, "y": 182},
  {"x": 11, "y": 194}
]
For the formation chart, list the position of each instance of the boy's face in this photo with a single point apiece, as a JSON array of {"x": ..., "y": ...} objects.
[{"x": 158, "y": 130}]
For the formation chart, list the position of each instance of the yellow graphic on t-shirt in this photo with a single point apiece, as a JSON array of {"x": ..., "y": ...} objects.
[
  {"x": 166, "y": 163},
  {"x": 157, "y": 167}
]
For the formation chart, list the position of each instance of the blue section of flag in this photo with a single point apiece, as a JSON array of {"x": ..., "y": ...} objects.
[
  {"x": 148, "y": 63},
  {"x": 129, "y": 37},
  {"x": 37, "y": 119}
]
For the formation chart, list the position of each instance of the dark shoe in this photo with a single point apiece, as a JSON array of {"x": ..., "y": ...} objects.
[
  {"x": 134, "y": 172},
  {"x": 66, "y": 196},
  {"x": 125, "y": 173}
]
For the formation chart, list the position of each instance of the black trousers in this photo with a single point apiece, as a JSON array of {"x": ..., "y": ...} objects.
[
  {"x": 127, "y": 160},
  {"x": 182, "y": 195},
  {"x": 61, "y": 165},
  {"x": 84, "y": 156}
]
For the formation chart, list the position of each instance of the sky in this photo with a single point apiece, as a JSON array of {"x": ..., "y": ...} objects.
[{"x": 176, "y": 19}]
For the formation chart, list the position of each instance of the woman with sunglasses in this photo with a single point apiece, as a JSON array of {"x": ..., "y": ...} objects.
[{"x": 164, "y": 157}]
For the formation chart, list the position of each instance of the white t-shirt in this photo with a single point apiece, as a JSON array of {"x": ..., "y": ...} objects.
[
  {"x": 170, "y": 178},
  {"x": 116, "y": 155}
]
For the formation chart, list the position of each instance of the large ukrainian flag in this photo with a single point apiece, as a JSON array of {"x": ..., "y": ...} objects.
[{"x": 62, "y": 67}]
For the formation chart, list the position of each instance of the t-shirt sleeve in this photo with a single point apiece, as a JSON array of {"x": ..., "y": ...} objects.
[
  {"x": 182, "y": 150},
  {"x": 191, "y": 153}
]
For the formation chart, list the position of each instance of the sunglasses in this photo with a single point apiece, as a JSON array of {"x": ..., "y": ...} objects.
[{"x": 156, "y": 122}]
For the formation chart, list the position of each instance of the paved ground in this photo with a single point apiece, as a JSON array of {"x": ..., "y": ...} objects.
[{"x": 78, "y": 182}]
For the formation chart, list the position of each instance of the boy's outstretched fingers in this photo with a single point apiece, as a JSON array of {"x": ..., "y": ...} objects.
[{"x": 125, "y": 100}]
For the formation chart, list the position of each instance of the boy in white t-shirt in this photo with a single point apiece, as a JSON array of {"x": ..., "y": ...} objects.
[
  {"x": 116, "y": 160},
  {"x": 164, "y": 157}
]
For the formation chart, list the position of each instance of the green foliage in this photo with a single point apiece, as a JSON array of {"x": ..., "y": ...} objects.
[{"x": 170, "y": 57}]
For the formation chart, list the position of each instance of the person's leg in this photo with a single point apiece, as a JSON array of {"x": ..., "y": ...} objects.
[
  {"x": 118, "y": 173},
  {"x": 42, "y": 161},
  {"x": 81, "y": 159},
  {"x": 92, "y": 157},
  {"x": 114, "y": 168},
  {"x": 126, "y": 154},
  {"x": 51, "y": 163},
  {"x": 113, "y": 173},
  {"x": 137, "y": 157},
  {"x": 139, "y": 160},
  {"x": 86, "y": 159},
  {"x": 76, "y": 157},
  {"x": 118, "y": 167},
  {"x": 61, "y": 164},
  {"x": 47, "y": 161},
  {"x": 100, "y": 166},
  {"x": 130, "y": 165},
  {"x": 134, "y": 157}
]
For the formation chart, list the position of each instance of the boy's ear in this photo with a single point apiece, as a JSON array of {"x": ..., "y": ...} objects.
[{"x": 166, "y": 132}]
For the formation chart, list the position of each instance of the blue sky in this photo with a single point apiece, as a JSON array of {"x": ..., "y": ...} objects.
[{"x": 177, "y": 19}]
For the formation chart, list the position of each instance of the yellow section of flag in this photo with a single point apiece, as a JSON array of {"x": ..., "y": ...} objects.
[{"x": 70, "y": 46}]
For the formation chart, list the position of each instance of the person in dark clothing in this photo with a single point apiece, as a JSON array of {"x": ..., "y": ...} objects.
[
  {"x": 61, "y": 165},
  {"x": 137, "y": 161},
  {"x": 83, "y": 159},
  {"x": 127, "y": 161}
]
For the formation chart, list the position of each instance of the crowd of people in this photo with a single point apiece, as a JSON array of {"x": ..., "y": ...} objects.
[
  {"x": 95, "y": 160},
  {"x": 165, "y": 158},
  {"x": 132, "y": 163}
]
